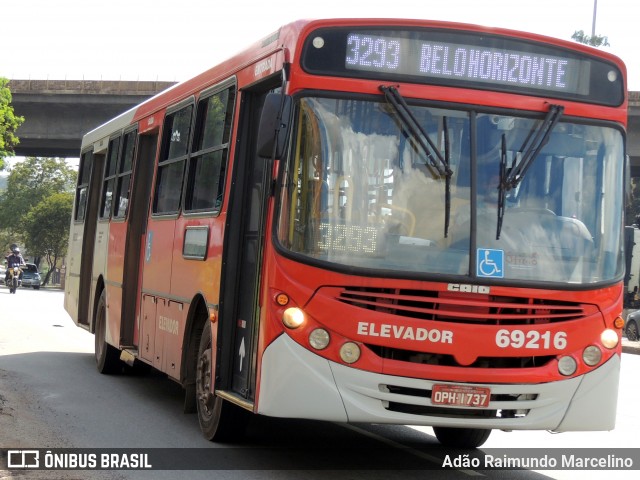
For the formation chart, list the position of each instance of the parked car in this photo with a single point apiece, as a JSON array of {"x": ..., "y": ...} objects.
[
  {"x": 631, "y": 326},
  {"x": 31, "y": 276}
]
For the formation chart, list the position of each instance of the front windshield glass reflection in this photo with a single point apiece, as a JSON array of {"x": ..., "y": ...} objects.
[{"x": 360, "y": 192}]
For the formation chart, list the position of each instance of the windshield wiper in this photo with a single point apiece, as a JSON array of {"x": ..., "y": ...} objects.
[
  {"x": 447, "y": 180},
  {"x": 432, "y": 152},
  {"x": 512, "y": 176},
  {"x": 436, "y": 159},
  {"x": 531, "y": 147},
  {"x": 502, "y": 191}
]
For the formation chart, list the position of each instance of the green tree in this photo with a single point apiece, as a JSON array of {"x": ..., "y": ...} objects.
[
  {"x": 9, "y": 123},
  {"x": 30, "y": 182},
  {"x": 595, "y": 40},
  {"x": 46, "y": 229}
]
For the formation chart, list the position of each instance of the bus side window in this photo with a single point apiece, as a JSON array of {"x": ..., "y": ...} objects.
[
  {"x": 109, "y": 178},
  {"x": 175, "y": 142},
  {"x": 83, "y": 185},
  {"x": 125, "y": 167},
  {"x": 208, "y": 162}
]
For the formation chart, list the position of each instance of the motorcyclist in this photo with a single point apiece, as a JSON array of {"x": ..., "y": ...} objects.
[{"x": 14, "y": 259}]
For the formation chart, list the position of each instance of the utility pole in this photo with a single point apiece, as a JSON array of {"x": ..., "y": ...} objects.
[{"x": 593, "y": 25}]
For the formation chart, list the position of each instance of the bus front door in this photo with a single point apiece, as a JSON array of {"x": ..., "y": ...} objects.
[{"x": 244, "y": 240}]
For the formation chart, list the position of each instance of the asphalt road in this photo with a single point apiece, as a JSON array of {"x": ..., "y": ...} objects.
[{"x": 51, "y": 396}]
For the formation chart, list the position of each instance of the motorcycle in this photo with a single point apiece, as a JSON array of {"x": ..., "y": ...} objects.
[{"x": 13, "y": 281}]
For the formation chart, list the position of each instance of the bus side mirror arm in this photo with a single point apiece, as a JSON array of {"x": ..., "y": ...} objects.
[{"x": 275, "y": 123}]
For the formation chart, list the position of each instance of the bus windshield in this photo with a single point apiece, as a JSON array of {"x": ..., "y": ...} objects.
[{"x": 359, "y": 191}]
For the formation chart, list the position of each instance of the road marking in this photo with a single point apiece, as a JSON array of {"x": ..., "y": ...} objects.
[{"x": 412, "y": 451}]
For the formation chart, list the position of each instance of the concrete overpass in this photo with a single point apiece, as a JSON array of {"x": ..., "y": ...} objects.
[{"x": 59, "y": 112}]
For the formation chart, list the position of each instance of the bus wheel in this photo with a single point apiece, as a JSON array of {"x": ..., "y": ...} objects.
[
  {"x": 461, "y": 437},
  {"x": 107, "y": 356},
  {"x": 219, "y": 419}
]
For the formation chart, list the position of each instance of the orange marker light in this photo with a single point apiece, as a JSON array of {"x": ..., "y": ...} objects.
[
  {"x": 618, "y": 322},
  {"x": 282, "y": 299}
]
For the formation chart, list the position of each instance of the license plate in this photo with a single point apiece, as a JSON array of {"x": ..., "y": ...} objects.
[{"x": 460, "y": 396}]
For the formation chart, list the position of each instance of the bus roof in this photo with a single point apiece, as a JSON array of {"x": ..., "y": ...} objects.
[{"x": 288, "y": 40}]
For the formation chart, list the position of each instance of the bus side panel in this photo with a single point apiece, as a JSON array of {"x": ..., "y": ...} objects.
[
  {"x": 147, "y": 341},
  {"x": 156, "y": 281},
  {"x": 156, "y": 265},
  {"x": 162, "y": 337},
  {"x": 117, "y": 237},
  {"x": 170, "y": 331},
  {"x": 100, "y": 250},
  {"x": 190, "y": 275},
  {"x": 114, "y": 305}
]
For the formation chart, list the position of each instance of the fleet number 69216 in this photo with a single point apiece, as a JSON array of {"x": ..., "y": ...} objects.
[{"x": 531, "y": 339}]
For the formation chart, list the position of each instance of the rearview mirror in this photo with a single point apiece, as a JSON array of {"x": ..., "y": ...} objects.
[{"x": 274, "y": 125}]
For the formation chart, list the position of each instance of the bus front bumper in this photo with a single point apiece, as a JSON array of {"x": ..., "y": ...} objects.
[{"x": 296, "y": 383}]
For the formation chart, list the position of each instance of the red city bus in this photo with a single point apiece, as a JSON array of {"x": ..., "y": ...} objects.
[{"x": 386, "y": 221}]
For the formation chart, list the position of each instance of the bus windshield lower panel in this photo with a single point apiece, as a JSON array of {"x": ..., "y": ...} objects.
[{"x": 361, "y": 191}]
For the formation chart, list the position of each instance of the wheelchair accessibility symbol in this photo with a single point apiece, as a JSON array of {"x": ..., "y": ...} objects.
[{"x": 490, "y": 263}]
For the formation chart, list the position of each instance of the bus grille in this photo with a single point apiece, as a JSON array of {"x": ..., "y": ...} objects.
[
  {"x": 444, "y": 360},
  {"x": 457, "y": 307}
]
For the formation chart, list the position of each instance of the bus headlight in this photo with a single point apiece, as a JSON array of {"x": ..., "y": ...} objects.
[
  {"x": 350, "y": 352},
  {"x": 319, "y": 338},
  {"x": 609, "y": 338},
  {"x": 592, "y": 355},
  {"x": 293, "y": 317},
  {"x": 567, "y": 366}
]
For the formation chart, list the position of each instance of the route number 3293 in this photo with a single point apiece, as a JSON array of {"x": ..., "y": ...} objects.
[{"x": 532, "y": 339}]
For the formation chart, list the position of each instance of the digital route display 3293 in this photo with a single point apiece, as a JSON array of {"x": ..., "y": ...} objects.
[{"x": 466, "y": 62}]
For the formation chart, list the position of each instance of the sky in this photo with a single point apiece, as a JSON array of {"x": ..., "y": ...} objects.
[{"x": 173, "y": 40}]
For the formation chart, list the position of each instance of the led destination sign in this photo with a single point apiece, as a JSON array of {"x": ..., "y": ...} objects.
[
  {"x": 466, "y": 62},
  {"x": 464, "y": 59}
]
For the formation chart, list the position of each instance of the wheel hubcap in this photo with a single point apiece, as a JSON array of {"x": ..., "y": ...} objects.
[{"x": 203, "y": 384}]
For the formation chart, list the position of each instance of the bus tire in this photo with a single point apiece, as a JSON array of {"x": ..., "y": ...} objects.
[
  {"x": 462, "y": 437},
  {"x": 219, "y": 419},
  {"x": 107, "y": 356}
]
